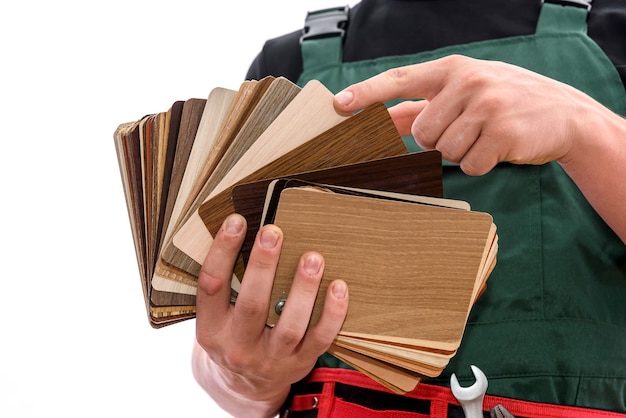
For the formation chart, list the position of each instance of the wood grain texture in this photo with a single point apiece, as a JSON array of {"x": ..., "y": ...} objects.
[
  {"x": 232, "y": 144},
  {"x": 279, "y": 94},
  {"x": 417, "y": 173},
  {"x": 185, "y": 121},
  {"x": 367, "y": 135},
  {"x": 163, "y": 305},
  {"x": 127, "y": 143},
  {"x": 309, "y": 114},
  {"x": 199, "y": 129},
  {"x": 242, "y": 106},
  {"x": 147, "y": 155},
  {"x": 156, "y": 141},
  {"x": 414, "y": 360},
  {"x": 145, "y": 136},
  {"x": 127, "y": 150},
  {"x": 422, "y": 360},
  {"x": 394, "y": 378},
  {"x": 344, "y": 186},
  {"x": 412, "y": 276},
  {"x": 395, "y": 256}
]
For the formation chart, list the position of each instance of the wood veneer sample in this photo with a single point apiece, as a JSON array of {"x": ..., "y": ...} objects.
[{"x": 394, "y": 256}]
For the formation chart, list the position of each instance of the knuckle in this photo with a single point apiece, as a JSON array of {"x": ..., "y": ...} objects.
[
  {"x": 306, "y": 286},
  {"x": 473, "y": 78},
  {"x": 472, "y": 75},
  {"x": 261, "y": 261},
  {"x": 397, "y": 77},
  {"x": 421, "y": 138},
  {"x": 487, "y": 104},
  {"x": 236, "y": 359},
  {"x": 319, "y": 343},
  {"x": 468, "y": 167},
  {"x": 456, "y": 60},
  {"x": 473, "y": 166},
  {"x": 209, "y": 283},
  {"x": 289, "y": 337},
  {"x": 449, "y": 150},
  {"x": 248, "y": 308}
]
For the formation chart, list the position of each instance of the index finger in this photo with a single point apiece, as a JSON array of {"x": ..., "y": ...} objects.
[{"x": 416, "y": 81}]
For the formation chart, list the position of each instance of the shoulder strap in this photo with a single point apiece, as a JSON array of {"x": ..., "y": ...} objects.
[
  {"x": 563, "y": 16},
  {"x": 322, "y": 36}
]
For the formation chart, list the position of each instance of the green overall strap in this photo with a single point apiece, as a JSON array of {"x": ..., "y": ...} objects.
[
  {"x": 557, "y": 18},
  {"x": 321, "y": 41}
]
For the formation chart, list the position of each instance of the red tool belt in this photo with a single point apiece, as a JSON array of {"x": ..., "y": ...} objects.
[{"x": 342, "y": 393}]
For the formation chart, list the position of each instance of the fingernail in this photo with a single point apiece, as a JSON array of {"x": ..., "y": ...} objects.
[
  {"x": 339, "y": 290},
  {"x": 269, "y": 238},
  {"x": 312, "y": 264},
  {"x": 344, "y": 98},
  {"x": 233, "y": 224}
]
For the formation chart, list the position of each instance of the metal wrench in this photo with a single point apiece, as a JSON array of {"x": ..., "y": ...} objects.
[{"x": 471, "y": 398}]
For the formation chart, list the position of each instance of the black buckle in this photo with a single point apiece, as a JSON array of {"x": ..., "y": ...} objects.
[
  {"x": 585, "y": 4},
  {"x": 325, "y": 23}
]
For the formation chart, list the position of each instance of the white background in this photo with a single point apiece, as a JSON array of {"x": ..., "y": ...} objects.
[{"x": 74, "y": 337}]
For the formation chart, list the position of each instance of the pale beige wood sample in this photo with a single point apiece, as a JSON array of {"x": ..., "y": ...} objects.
[{"x": 309, "y": 114}]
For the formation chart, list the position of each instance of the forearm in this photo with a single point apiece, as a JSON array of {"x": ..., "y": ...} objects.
[
  {"x": 597, "y": 163},
  {"x": 212, "y": 379}
]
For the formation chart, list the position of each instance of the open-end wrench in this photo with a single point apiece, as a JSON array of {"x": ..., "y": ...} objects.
[{"x": 470, "y": 398}]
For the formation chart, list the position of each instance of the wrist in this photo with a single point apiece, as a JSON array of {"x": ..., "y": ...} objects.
[
  {"x": 596, "y": 162},
  {"x": 236, "y": 394},
  {"x": 593, "y": 131}
]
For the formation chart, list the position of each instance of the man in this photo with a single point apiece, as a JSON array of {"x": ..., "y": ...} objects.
[{"x": 542, "y": 149}]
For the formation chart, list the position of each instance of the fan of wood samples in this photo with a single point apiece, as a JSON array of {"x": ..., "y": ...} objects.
[{"x": 344, "y": 186}]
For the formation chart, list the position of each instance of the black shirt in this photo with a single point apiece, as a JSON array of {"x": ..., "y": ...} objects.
[{"x": 396, "y": 27}]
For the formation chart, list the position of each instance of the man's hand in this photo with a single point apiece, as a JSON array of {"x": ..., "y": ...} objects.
[
  {"x": 479, "y": 113},
  {"x": 250, "y": 362}
]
